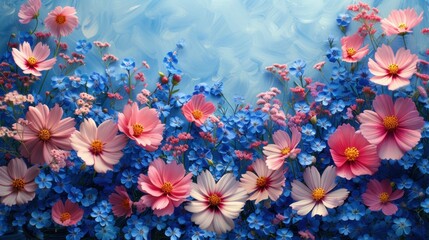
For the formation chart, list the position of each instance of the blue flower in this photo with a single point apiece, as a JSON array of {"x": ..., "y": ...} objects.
[
  {"x": 96, "y": 82},
  {"x": 301, "y": 107},
  {"x": 176, "y": 122},
  {"x": 305, "y": 159},
  {"x": 75, "y": 234},
  {"x": 425, "y": 205},
  {"x": 423, "y": 166},
  {"x": 401, "y": 226},
  {"x": 216, "y": 89},
  {"x": 25, "y": 37},
  {"x": 82, "y": 46},
  {"x": 19, "y": 220},
  {"x": 308, "y": 132},
  {"x": 174, "y": 234},
  {"x": 425, "y": 131},
  {"x": 405, "y": 182},
  {"x": 75, "y": 195},
  {"x": 170, "y": 61},
  {"x": 333, "y": 54},
  {"x": 284, "y": 234},
  {"x": 355, "y": 211},
  {"x": 128, "y": 64},
  {"x": 40, "y": 219},
  {"x": 337, "y": 106},
  {"x": 324, "y": 98},
  {"x": 60, "y": 82},
  {"x": 201, "y": 88},
  {"x": 90, "y": 197},
  {"x": 44, "y": 180},
  {"x": 324, "y": 123},
  {"x": 297, "y": 68},
  {"x": 140, "y": 232},
  {"x": 128, "y": 178},
  {"x": 107, "y": 232},
  {"x": 344, "y": 19},
  {"x": 255, "y": 221},
  {"x": 318, "y": 145}
]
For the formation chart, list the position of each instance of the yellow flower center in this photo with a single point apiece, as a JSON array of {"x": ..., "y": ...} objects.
[
  {"x": 18, "y": 184},
  {"x": 393, "y": 68},
  {"x": 65, "y": 216},
  {"x": 285, "y": 151},
  {"x": 351, "y": 153},
  {"x": 214, "y": 200},
  {"x": 31, "y": 61},
  {"x": 390, "y": 122},
  {"x": 261, "y": 182},
  {"x": 197, "y": 114},
  {"x": 167, "y": 187},
  {"x": 96, "y": 147},
  {"x": 402, "y": 26},
  {"x": 318, "y": 194},
  {"x": 351, "y": 52},
  {"x": 44, "y": 134},
  {"x": 384, "y": 197},
  {"x": 137, "y": 129},
  {"x": 60, "y": 19}
]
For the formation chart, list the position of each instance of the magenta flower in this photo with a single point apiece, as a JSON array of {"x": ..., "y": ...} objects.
[
  {"x": 45, "y": 131},
  {"x": 352, "y": 153},
  {"x": 379, "y": 196},
  {"x": 352, "y": 49},
  {"x": 282, "y": 148},
  {"x": 32, "y": 62},
  {"x": 316, "y": 195},
  {"x": 392, "y": 70},
  {"x": 394, "y": 127},
  {"x": 166, "y": 186},
  {"x": 67, "y": 214},
  {"x": 62, "y": 21},
  {"x": 17, "y": 184},
  {"x": 198, "y": 110},
  {"x": 401, "y": 21},
  {"x": 216, "y": 205},
  {"x": 99, "y": 147},
  {"x": 121, "y": 202},
  {"x": 29, "y": 11},
  {"x": 262, "y": 182}
]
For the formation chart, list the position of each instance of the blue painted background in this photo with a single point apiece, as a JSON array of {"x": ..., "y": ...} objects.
[{"x": 227, "y": 40}]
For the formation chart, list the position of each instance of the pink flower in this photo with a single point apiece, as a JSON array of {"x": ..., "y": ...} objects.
[
  {"x": 319, "y": 65},
  {"x": 351, "y": 48},
  {"x": 401, "y": 21},
  {"x": 379, "y": 195},
  {"x": 100, "y": 146},
  {"x": 46, "y": 131},
  {"x": 282, "y": 148},
  {"x": 166, "y": 186},
  {"x": 392, "y": 70},
  {"x": 61, "y": 21},
  {"x": 317, "y": 195},
  {"x": 352, "y": 153},
  {"x": 216, "y": 205},
  {"x": 67, "y": 214},
  {"x": 17, "y": 184},
  {"x": 141, "y": 125},
  {"x": 263, "y": 183},
  {"x": 121, "y": 202},
  {"x": 198, "y": 110},
  {"x": 29, "y": 11},
  {"x": 32, "y": 62},
  {"x": 394, "y": 128}
]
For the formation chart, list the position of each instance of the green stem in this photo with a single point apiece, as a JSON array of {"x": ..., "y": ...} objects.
[
  {"x": 405, "y": 43},
  {"x": 35, "y": 28}
]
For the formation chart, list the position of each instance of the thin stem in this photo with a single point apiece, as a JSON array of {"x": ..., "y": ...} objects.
[
  {"x": 35, "y": 28},
  {"x": 405, "y": 43}
]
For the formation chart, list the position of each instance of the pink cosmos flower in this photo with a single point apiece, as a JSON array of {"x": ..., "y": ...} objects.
[
  {"x": 401, "y": 21},
  {"x": 32, "y": 62},
  {"x": 67, "y": 214},
  {"x": 216, "y": 205},
  {"x": 100, "y": 146},
  {"x": 141, "y": 125},
  {"x": 61, "y": 21},
  {"x": 317, "y": 195},
  {"x": 29, "y": 11},
  {"x": 379, "y": 195},
  {"x": 17, "y": 184},
  {"x": 352, "y": 153},
  {"x": 46, "y": 131},
  {"x": 351, "y": 48},
  {"x": 392, "y": 70},
  {"x": 262, "y": 182},
  {"x": 198, "y": 110},
  {"x": 121, "y": 202},
  {"x": 394, "y": 127},
  {"x": 166, "y": 186},
  {"x": 282, "y": 148}
]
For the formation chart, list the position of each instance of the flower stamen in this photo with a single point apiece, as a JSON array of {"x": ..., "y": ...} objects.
[
  {"x": 390, "y": 122},
  {"x": 167, "y": 187},
  {"x": 44, "y": 134},
  {"x": 60, "y": 19},
  {"x": 96, "y": 147},
  {"x": 318, "y": 194},
  {"x": 351, "y": 153},
  {"x": 393, "y": 69},
  {"x": 214, "y": 200},
  {"x": 197, "y": 114},
  {"x": 384, "y": 197},
  {"x": 137, "y": 129},
  {"x": 18, "y": 184}
]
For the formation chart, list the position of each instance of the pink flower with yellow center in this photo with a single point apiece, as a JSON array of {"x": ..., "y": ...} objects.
[
  {"x": 29, "y": 11},
  {"x": 379, "y": 196},
  {"x": 198, "y": 110},
  {"x": 33, "y": 61},
  {"x": 121, "y": 202},
  {"x": 401, "y": 21},
  {"x": 394, "y": 128},
  {"x": 283, "y": 147},
  {"x": 61, "y": 21},
  {"x": 351, "y": 48},
  {"x": 392, "y": 70},
  {"x": 67, "y": 214}
]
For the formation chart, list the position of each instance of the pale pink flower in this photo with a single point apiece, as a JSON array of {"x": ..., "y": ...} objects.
[
  {"x": 401, "y": 21},
  {"x": 392, "y": 70},
  {"x": 121, "y": 202},
  {"x": 262, "y": 182},
  {"x": 61, "y": 21},
  {"x": 100, "y": 146},
  {"x": 142, "y": 125},
  {"x": 351, "y": 48},
  {"x": 319, "y": 65},
  {"x": 216, "y": 205},
  {"x": 29, "y": 11},
  {"x": 379, "y": 196},
  {"x": 67, "y": 214},
  {"x": 316, "y": 195},
  {"x": 352, "y": 153},
  {"x": 44, "y": 132},
  {"x": 166, "y": 186},
  {"x": 282, "y": 148},
  {"x": 394, "y": 127},
  {"x": 17, "y": 184},
  {"x": 32, "y": 62},
  {"x": 198, "y": 110}
]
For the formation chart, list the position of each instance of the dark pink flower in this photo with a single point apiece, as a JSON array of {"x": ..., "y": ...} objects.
[{"x": 379, "y": 195}]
